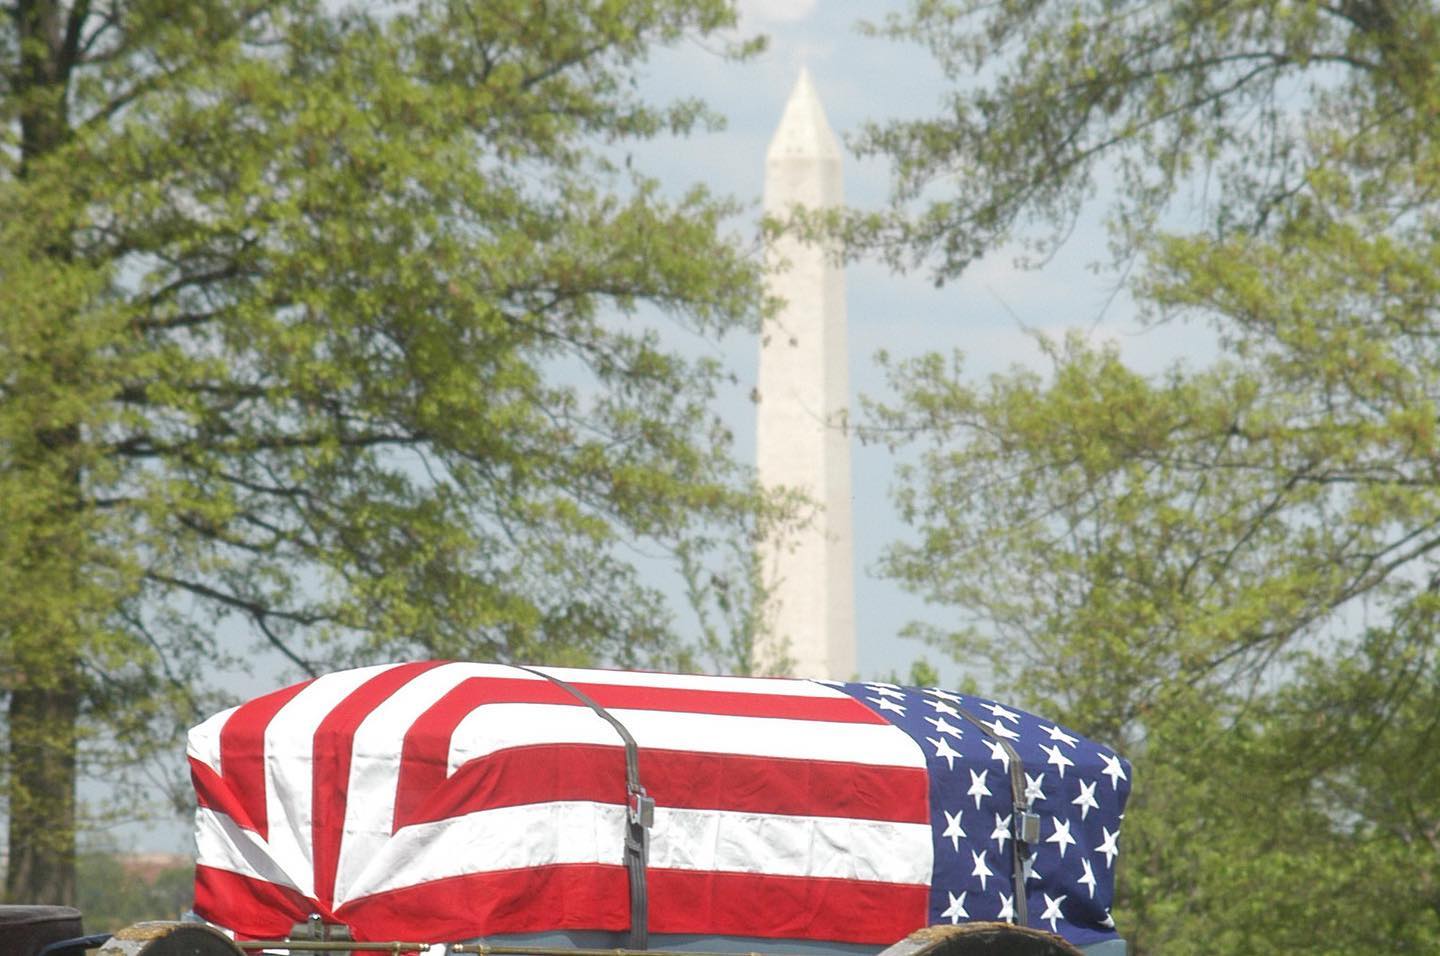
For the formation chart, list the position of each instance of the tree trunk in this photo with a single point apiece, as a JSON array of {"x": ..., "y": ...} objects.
[
  {"x": 43, "y": 741},
  {"x": 44, "y": 705}
]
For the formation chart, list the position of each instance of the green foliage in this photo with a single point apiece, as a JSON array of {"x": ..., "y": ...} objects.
[
  {"x": 1228, "y": 571},
  {"x": 347, "y": 329},
  {"x": 922, "y": 674},
  {"x": 728, "y": 597},
  {"x": 1249, "y": 103},
  {"x": 110, "y": 898}
]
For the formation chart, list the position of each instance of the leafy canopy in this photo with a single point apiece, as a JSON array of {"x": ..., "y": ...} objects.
[
  {"x": 350, "y": 329},
  {"x": 1230, "y": 569}
]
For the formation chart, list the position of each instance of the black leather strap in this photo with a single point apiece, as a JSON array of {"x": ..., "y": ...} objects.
[{"x": 639, "y": 814}]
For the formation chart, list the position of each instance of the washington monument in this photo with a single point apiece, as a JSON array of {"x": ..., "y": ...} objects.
[{"x": 802, "y": 442}]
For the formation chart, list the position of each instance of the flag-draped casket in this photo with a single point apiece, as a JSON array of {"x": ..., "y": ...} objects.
[{"x": 444, "y": 801}]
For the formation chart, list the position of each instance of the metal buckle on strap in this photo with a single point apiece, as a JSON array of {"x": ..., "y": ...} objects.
[
  {"x": 642, "y": 808},
  {"x": 1027, "y": 826},
  {"x": 639, "y": 810}
]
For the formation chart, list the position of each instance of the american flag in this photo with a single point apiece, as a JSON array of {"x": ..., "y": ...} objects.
[{"x": 442, "y": 801}]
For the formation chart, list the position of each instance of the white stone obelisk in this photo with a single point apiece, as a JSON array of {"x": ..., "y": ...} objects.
[{"x": 802, "y": 439}]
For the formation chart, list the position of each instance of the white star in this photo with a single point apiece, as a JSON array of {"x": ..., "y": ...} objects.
[
  {"x": 1107, "y": 846},
  {"x": 1057, "y": 734},
  {"x": 1086, "y": 800},
  {"x": 1109, "y": 921},
  {"x": 997, "y": 710},
  {"x": 885, "y": 690},
  {"x": 1061, "y": 835},
  {"x": 1052, "y": 910},
  {"x": 1032, "y": 788},
  {"x": 887, "y": 704},
  {"x": 1030, "y": 873},
  {"x": 997, "y": 750},
  {"x": 1001, "y": 833},
  {"x": 978, "y": 788},
  {"x": 943, "y": 708},
  {"x": 956, "y": 912},
  {"x": 1058, "y": 758},
  {"x": 981, "y": 870},
  {"x": 1007, "y": 909},
  {"x": 943, "y": 694},
  {"x": 1088, "y": 877},
  {"x": 952, "y": 829},
  {"x": 1113, "y": 770},
  {"x": 1000, "y": 730},
  {"x": 942, "y": 749},
  {"x": 945, "y": 727}
]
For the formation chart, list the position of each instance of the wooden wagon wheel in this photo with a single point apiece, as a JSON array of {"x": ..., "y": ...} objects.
[
  {"x": 170, "y": 939},
  {"x": 981, "y": 939}
]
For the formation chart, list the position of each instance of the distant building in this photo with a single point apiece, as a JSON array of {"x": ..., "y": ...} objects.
[{"x": 147, "y": 867}]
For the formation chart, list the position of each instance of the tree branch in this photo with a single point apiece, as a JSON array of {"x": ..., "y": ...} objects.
[{"x": 258, "y": 613}]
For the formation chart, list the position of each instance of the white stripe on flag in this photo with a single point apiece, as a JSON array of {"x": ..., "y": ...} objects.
[
  {"x": 495, "y": 727},
  {"x": 223, "y": 844},
  {"x": 779, "y": 686},
  {"x": 506, "y": 838},
  {"x": 543, "y": 834},
  {"x": 203, "y": 741},
  {"x": 375, "y": 761},
  {"x": 784, "y": 845},
  {"x": 289, "y": 762}
]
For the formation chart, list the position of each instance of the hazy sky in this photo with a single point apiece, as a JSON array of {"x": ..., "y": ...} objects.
[{"x": 991, "y": 314}]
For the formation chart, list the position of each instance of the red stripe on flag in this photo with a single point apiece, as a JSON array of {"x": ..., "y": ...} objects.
[
  {"x": 251, "y": 908},
  {"x": 330, "y": 774},
  {"x": 513, "y": 690},
  {"x": 213, "y": 793},
  {"x": 425, "y": 753},
  {"x": 817, "y": 788},
  {"x": 242, "y": 753},
  {"x": 559, "y": 897},
  {"x": 554, "y": 772},
  {"x": 842, "y": 710},
  {"x": 596, "y": 897},
  {"x": 785, "y": 907}
]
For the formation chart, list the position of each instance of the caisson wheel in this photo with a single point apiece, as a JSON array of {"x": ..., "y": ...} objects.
[
  {"x": 981, "y": 939},
  {"x": 169, "y": 939}
]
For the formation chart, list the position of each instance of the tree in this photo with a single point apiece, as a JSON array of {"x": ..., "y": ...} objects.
[
  {"x": 111, "y": 898},
  {"x": 351, "y": 330},
  {"x": 1230, "y": 570}
]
